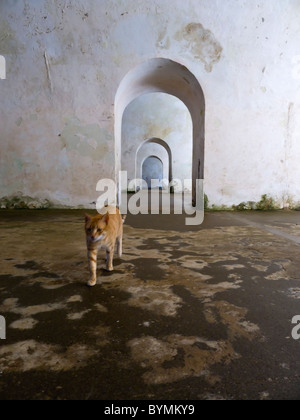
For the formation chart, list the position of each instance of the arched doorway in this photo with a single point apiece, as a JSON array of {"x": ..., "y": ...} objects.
[
  {"x": 165, "y": 76},
  {"x": 153, "y": 172},
  {"x": 159, "y": 149}
]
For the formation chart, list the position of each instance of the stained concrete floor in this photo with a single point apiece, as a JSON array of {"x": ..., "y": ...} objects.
[{"x": 188, "y": 313}]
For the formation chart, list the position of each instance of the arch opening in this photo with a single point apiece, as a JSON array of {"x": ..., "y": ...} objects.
[
  {"x": 153, "y": 172},
  {"x": 164, "y": 76},
  {"x": 158, "y": 148}
]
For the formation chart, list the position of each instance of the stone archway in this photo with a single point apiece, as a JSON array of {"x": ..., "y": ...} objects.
[
  {"x": 161, "y": 150},
  {"x": 165, "y": 76}
]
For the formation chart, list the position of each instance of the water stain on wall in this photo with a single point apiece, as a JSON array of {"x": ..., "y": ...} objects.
[
  {"x": 88, "y": 140},
  {"x": 8, "y": 39},
  {"x": 163, "y": 41},
  {"x": 201, "y": 43}
]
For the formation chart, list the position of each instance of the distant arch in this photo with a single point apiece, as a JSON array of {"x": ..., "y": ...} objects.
[
  {"x": 153, "y": 169},
  {"x": 165, "y": 155}
]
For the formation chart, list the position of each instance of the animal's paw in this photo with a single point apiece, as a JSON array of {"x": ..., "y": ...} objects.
[{"x": 91, "y": 283}]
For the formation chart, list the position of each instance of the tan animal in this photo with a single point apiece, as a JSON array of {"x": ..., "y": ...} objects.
[{"x": 103, "y": 231}]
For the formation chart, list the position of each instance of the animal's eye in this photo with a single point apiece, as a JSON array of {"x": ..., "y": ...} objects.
[
  {"x": 89, "y": 229},
  {"x": 99, "y": 230}
]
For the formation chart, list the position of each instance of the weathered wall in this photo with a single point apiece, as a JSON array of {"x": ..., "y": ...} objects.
[{"x": 66, "y": 59}]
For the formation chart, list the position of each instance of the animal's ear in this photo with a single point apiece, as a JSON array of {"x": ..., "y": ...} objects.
[
  {"x": 105, "y": 218},
  {"x": 87, "y": 218}
]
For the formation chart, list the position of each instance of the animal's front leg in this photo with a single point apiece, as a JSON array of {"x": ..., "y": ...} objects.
[
  {"x": 110, "y": 260},
  {"x": 92, "y": 257}
]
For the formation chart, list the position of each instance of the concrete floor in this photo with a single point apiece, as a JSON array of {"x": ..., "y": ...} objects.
[{"x": 201, "y": 313}]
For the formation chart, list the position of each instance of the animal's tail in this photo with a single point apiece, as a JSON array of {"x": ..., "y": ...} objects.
[{"x": 124, "y": 216}]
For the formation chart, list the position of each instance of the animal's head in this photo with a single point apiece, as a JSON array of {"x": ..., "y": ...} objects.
[{"x": 95, "y": 227}]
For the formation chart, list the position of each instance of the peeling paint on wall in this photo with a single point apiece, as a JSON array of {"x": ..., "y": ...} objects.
[
  {"x": 9, "y": 43},
  {"x": 201, "y": 43},
  {"x": 87, "y": 139},
  {"x": 48, "y": 71}
]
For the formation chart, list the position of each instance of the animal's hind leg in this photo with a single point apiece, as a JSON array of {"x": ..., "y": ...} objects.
[
  {"x": 109, "y": 260},
  {"x": 120, "y": 246}
]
